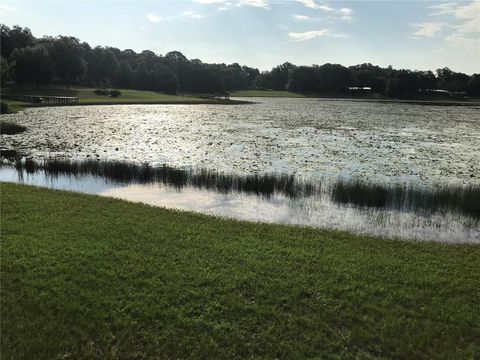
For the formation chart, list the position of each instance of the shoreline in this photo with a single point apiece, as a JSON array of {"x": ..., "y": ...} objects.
[
  {"x": 368, "y": 99},
  {"x": 21, "y": 106}
]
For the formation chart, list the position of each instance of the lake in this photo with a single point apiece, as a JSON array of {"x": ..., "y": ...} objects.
[{"x": 423, "y": 160}]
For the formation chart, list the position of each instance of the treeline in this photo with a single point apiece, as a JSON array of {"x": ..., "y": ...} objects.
[
  {"x": 335, "y": 78},
  {"x": 26, "y": 59}
]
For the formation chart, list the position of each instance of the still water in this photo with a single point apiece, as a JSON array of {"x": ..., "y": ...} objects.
[
  {"x": 312, "y": 138},
  {"x": 450, "y": 214},
  {"x": 389, "y": 169}
]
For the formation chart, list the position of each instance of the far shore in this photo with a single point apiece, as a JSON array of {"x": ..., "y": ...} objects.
[
  {"x": 86, "y": 96},
  {"x": 360, "y": 97}
]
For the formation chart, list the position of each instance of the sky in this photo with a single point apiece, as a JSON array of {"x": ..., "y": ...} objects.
[{"x": 422, "y": 35}]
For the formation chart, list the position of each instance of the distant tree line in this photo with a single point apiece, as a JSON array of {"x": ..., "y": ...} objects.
[
  {"x": 62, "y": 59},
  {"x": 335, "y": 78}
]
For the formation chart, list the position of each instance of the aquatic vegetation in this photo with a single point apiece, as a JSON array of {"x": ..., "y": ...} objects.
[
  {"x": 11, "y": 128},
  {"x": 406, "y": 197}
]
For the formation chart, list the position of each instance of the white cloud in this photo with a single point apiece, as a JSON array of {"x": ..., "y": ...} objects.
[
  {"x": 264, "y": 4},
  {"x": 152, "y": 18},
  {"x": 301, "y": 17},
  {"x": 186, "y": 14},
  {"x": 309, "y": 35},
  {"x": 461, "y": 19},
  {"x": 6, "y": 8},
  {"x": 462, "y": 42},
  {"x": 470, "y": 11},
  {"x": 345, "y": 11},
  {"x": 192, "y": 15},
  {"x": 209, "y": 1},
  {"x": 428, "y": 29},
  {"x": 313, "y": 5},
  {"x": 443, "y": 9},
  {"x": 470, "y": 26}
]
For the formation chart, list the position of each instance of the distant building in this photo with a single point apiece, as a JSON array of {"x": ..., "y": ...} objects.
[{"x": 359, "y": 89}]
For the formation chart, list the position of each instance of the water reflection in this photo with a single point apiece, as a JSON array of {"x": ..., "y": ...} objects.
[{"x": 450, "y": 213}]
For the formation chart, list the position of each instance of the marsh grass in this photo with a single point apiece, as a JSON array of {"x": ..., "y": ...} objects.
[
  {"x": 11, "y": 128},
  {"x": 423, "y": 200},
  {"x": 463, "y": 198}
]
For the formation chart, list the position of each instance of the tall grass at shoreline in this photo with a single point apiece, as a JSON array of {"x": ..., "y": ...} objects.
[{"x": 425, "y": 200}]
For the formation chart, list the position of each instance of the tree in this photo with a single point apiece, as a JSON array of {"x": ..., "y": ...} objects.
[
  {"x": 124, "y": 74},
  {"x": 15, "y": 38},
  {"x": 473, "y": 85},
  {"x": 67, "y": 54},
  {"x": 303, "y": 79},
  {"x": 280, "y": 75},
  {"x": 5, "y": 68},
  {"x": 333, "y": 78},
  {"x": 263, "y": 81},
  {"x": 33, "y": 64}
]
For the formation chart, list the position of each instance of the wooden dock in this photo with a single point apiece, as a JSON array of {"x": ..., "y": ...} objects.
[{"x": 41, "y": 99}]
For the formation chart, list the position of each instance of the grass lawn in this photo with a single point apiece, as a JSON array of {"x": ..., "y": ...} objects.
[
  {"x": 86, "y": 96},
  {"x": 266, "y": 93},
  {"x": 88, "y": 277}
]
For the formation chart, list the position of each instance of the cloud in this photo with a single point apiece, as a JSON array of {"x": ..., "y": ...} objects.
[
  {"x": 264, "y": 4},
  {"x": 428, "y": 29},
  {"x": 152, "y": 18},
  {"x": 462, "y": 21},
  {"x": 462, "y": 42},
  {"x": 470, "y": 26},
  {"x": 313, "y": 5},
  {"x": 301, "y": 17},
  {"x": 192, "y": 15},
  {"x": 186, "y": 14},
  {"x": 309, "y": 35},
  {"x": 209, "y": 1},
  {"x": 345, "y": 11},
  {"x": 443, "y": 9},
  {"x": 470, "y": 11},
  {"x": 6, "y": 8}
]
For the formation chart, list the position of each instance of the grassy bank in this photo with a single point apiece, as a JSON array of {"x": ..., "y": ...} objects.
[
  {"x": 88, "y": 277},
  {"x": 87, "y": 96},
  {"x": 267, "y": 93}
]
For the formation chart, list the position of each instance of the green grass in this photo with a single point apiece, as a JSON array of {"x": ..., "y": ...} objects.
[
  {"x": 15, "y": 106},
  {"x": 87, "y": 96},
  {"x": 266, "y": 93},
  {"x": 87, "y": 277}
]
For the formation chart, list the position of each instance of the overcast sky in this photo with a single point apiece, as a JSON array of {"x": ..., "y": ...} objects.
[{"x": 423, "y": 35}]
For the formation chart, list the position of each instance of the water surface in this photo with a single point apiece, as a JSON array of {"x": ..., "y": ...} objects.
[
  {"x": 389, "y": 169},
  {"x": 311, "y": 138}
]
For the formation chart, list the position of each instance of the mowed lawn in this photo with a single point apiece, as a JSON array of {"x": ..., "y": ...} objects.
[
  {"x": 86, "y": 277},
  {"x": 87, "y": 96},
  {"x": 267, "y": 93}
]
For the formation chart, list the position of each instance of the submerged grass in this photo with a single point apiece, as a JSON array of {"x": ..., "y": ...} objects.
[
  {"x": 449, "y": 198},
  {"x": 87, "y": 277}
]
